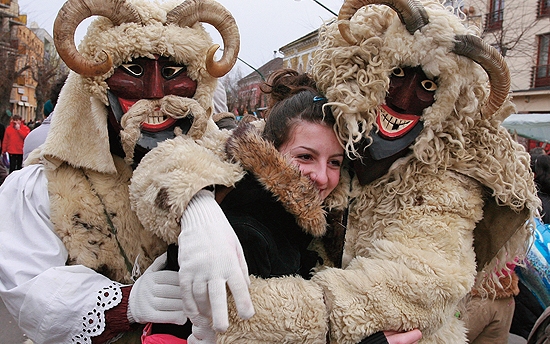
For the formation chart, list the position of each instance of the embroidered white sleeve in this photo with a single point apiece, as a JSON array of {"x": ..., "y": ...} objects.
[{"x": 93, "y": 323}]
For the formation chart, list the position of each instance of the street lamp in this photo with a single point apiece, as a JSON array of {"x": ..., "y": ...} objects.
[{"x": 323, "y": 6}]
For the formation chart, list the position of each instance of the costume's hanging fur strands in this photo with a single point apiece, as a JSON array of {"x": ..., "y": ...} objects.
[
  {"x": 409, "y": 257},
  {"x": 456, "y": 136},
  {"x": 79, "y": 132},
  {"x": 100, "y": 225}
]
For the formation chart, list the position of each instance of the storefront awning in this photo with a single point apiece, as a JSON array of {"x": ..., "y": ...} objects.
[{"x": 535, "y": 126}]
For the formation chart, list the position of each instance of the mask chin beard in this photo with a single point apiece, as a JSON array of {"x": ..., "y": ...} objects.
[{"x": 184, "y": 110}]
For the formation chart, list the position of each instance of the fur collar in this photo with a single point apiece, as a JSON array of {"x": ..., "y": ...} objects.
[{"x": 296, "y": 192}]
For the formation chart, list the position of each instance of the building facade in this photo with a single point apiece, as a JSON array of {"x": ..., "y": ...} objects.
[
  {"x": 299, "y": 53},
  {"x": 520, "y": 30},
  {"x": 21, "y": 54},
  {"x": 250, "y": 99},
  {"x": 31, "y": 54}
]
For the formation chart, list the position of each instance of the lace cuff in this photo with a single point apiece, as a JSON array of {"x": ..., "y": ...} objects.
[{"x": 93, "y": 323}]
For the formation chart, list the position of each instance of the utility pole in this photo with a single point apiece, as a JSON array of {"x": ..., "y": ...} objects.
[
  {"x": 246, "y": 63},
  {"x": 323, "y": 6}
]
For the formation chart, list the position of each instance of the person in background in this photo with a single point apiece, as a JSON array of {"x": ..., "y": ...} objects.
[
  {"x": 489, "y": 316},
  {"x": 540, "y": 333},
  {"x": 542, "y": 180},
  {"x": 529, "y": 303},
  {"x": 37, "y": 136},
  {"x": 2, "y": 131},
  {"x": 12, "y": 143},
  {"x": 3, "y": 167},
  {"x": 534, "y": 154},
  {"x": 223, "y": 118},
  {"x": 533, "y": 275}
]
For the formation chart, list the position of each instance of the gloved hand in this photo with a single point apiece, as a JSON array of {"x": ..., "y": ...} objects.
[
  {"x": 156, "y": 296},
  {"x": 210, "y": 256},
  {"x": 202, "y": 331}
]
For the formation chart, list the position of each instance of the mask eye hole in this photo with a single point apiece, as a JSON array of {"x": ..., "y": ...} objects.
[
  {"x": 398, "y": 71},
  {"x": 429, "y": 85},
  {"x": 170, "y": 72},
  {"x": 133, "y": 69}
]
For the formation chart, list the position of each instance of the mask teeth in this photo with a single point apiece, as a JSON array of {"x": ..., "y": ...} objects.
[
  {"x": 391, "y": 123},
  {"x": 156, "y": 119}
]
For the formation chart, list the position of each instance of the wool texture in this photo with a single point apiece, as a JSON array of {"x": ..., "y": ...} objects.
[
  {"x": 79, "y": 134},
  {"x": 91, "y": 214},
  {"x": 172, "y": 173},
  {"x": 409, "y": 258}
]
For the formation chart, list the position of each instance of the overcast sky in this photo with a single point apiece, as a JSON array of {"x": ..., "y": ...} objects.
[{"x": 265, "y": 25}]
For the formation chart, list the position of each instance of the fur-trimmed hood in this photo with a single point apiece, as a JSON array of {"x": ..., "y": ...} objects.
[{"x": 296, "y": 193}]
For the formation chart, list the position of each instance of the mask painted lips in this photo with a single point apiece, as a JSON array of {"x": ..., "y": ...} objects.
[
  {"x": 155, "y": 122},
  {"x": 393, "y": 124}
]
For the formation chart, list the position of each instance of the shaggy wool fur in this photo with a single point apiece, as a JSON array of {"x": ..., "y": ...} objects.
[
  {"x": 409, "y": 257},
  {"x": 287, "y": 311},
  {"x": 89, "y": 187},
  {"x": 79, "y": 135},
  {"x": 409, "y": 242},
  {"x": 172, "y": 173},
  {"x": 91, "y": 214}
]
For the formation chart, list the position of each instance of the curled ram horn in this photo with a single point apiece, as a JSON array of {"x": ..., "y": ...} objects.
[
  {"x": 71, "y": 15},
  {"x": 213, "y": 13},
  {"x": 494, "y": 65},
  {"x": 411, "y": 12}
]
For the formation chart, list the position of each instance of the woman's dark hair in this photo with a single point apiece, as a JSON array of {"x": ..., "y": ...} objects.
[
  {"x": 293, "y": 97},
  {"x": 542, "y": 173}
]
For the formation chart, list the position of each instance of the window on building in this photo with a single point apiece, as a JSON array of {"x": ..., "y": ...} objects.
[
  {"x": 494, "y": 18},
  {"x": 542, "y": 70},
  {"x": 544, "y": 8}
]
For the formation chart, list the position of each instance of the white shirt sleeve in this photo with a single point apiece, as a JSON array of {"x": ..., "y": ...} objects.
[{"x": 51, "y": 302}]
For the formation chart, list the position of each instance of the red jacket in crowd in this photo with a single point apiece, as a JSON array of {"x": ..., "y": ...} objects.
[{"x": 14, "y": 139}]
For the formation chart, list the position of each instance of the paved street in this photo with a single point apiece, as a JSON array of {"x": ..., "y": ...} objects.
[{"x": 9, "y": 332}]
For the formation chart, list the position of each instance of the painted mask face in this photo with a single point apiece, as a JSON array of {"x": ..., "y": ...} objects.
[
  {"x": 145, "y": 78},
  {"x": 410, "y": 92},
  {"x": 314, "y": 148},
  {"x": 399, "y": 122},
  {"x": 152, "y": 80}
]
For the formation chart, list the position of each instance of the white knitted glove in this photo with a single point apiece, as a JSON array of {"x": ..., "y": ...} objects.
[
  {"x": 202, "y": 331},
  {"x": 210, "y": 256},
  {"x": 156, "y": 296}
]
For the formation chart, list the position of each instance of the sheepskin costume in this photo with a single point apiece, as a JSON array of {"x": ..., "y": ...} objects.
[
  {"x": 409, "y": 255},
  {"x": 409, "y": 243},
  {"x": 88, "y": 186}
]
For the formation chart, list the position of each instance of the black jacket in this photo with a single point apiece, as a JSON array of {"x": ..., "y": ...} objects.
[{"x": 273, "y": 243}]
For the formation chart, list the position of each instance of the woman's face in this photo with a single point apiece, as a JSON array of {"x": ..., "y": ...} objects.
[{"x": 315, "y": 150}]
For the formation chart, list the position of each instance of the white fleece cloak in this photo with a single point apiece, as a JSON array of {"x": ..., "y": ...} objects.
[{"x": 409, "y": 253}]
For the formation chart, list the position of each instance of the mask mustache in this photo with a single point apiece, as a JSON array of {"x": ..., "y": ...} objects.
[{"x": 171, "y": 106}]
